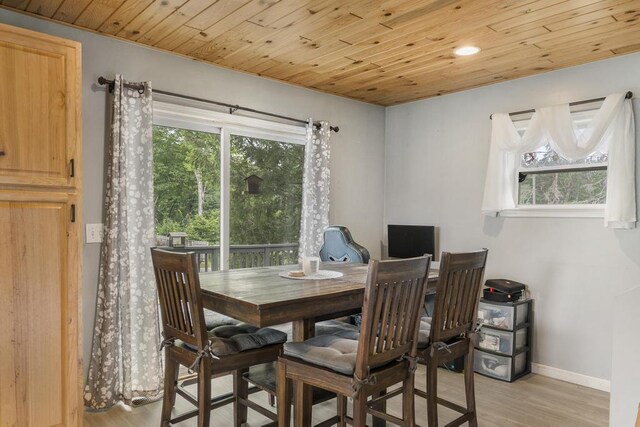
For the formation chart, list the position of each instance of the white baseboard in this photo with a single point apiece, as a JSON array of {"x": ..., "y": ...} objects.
[{"x": 571, "y": 377}]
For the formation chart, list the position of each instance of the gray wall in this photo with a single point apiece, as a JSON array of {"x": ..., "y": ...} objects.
[
  {"x": 625, "y": 376},
  {"x": 357, "y": 162},
  {"x": 436, "y": 160}
]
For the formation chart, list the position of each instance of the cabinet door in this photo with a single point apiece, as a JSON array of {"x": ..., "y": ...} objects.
[
  {"x": 39, "y": 107},
  {"x": 39, "y": 313}
]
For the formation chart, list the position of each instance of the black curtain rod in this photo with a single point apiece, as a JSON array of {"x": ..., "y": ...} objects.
[
  {"x": 629, "y": 95},
  {"x": 232, "y": 108}
]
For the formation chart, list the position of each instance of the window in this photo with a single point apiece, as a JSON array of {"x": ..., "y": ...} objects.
[
  {"x": 265, "y": 216},
  {"x": 232, "y": 184},
  {"x": 548, "y": 181},
  {"x": 186, "y": 169}
]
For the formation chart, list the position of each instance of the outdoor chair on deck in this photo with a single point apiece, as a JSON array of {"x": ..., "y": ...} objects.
[
  {"x": 225, "y": 349},
  {"x": 383, "y": 355},
  {"x": 451, "y": 333}
]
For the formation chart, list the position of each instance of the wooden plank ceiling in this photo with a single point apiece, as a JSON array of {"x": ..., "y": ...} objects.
[{"x": 379, "y": 51}]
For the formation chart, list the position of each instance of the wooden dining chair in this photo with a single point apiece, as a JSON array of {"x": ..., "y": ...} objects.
[
  {"x": 451, "y": 333},
  {"x": 225, "y": 349},
  {"x": 383, "y": 355}
]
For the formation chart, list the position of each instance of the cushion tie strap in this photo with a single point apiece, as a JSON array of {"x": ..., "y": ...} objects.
[
  {"x": 413, "y": 363},
  {"x": 439, "y": 345},
  {"x": 204, "y": 353},
  {"x": 478, "y": 327},
  {"x": 359, "y": 383},
  {"x": 166, "y": 343}
]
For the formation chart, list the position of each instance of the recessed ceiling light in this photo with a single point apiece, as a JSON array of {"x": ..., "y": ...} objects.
[{"x": 466, "y": 50}]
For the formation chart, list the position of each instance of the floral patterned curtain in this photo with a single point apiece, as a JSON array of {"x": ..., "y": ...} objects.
[
  {"x": 315, "y": 189},
  {"x": 125, "y": 364}
]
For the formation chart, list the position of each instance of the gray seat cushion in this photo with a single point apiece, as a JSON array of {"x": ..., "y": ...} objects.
[
  {"x": 343, "y": 329},
  {"x": 213, "y": 319},
  {"x": 235, "y": 338},
  {"x": 264, "y": 376},
  {"x": 330, "y": 351},
  {"x": 425, "y": 331},
  {"x": 338, "y": 328},
  {"x": 286, "y": 329}
]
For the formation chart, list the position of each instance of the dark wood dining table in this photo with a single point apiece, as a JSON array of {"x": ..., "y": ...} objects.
[{"x": 261, "y": 297}]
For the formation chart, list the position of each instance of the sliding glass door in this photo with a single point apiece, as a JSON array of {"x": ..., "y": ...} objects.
[
  {"x": 186, "y": 166},
  {"x": 233, "y": 194},
  {"x": 265, "y": 201}
]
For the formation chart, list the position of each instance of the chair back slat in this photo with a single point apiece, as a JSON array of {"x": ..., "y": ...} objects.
[
  {"x": 378, "y": 294},
  {"x": 402, "y": 312},
  {"x": 416, "y": 294},
  {"x": 180, "y": 302},
  {"x": 393, "y": 300},
  {"x": 457, "y": 294},
  {"x": 168, "y": 292},
  {"x": 179, "y": 293},
  {"x": 173, "y": 301}
]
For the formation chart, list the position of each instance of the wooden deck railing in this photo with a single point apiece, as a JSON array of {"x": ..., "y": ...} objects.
[{"x": 244, "y": 256}]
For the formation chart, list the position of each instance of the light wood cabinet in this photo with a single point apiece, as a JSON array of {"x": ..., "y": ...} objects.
[
  {"x": 39, "y": 91},
  {"x": 40, "y": 246}
]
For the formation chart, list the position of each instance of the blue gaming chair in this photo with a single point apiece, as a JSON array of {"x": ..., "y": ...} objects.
[{"x": 339, "y": 246}]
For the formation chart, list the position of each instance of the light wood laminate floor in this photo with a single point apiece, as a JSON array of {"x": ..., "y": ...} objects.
[{"x": 531, "y": 401}]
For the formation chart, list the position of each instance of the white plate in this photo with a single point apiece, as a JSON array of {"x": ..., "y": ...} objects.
[{"x": 320, "y": 275}]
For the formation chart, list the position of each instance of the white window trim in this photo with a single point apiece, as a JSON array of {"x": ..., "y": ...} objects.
[
  {"x": 555, "y": 211},
  {"x": 204, "y": 120},
  {"x": 169, "y": 114}
]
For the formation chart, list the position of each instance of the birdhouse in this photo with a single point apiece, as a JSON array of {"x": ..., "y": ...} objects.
[
  {"x": 254, "y": 183},
  {"x": 177, "y": 239}
]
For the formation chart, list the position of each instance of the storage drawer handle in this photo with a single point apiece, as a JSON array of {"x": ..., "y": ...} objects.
[
  {"x": 2, "y": 153},
  {"x": 73, "y": 213},
  {"x": 72, "y": 166}
]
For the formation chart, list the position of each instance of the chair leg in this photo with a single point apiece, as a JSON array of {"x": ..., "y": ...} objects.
[
  {"x": 408, "y": 401},
  {"x": 382, "y": 407},
  {"x": 283, "y": 391},
  {"x": 432, "y": 392},
  {"x": 240, "y": 391},
  {"x": 342, "y": 410},
  {"x": 204, "y": 392},
  {"x": 469, "y": 386},
  {"x": 359, "y": 410},
  {"x": 175, "y": 382},
  {"x": 272, "y": 400},
  {"x": 171, "y": 367}
]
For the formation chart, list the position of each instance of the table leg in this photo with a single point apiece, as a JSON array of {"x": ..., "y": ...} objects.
[{"x": 302, "y": 330}]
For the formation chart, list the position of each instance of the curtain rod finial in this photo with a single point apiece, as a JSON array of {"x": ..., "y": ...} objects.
[{"x": 109, "y": 83}]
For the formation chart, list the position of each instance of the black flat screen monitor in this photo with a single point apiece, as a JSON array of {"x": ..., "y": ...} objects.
[{"x": 408, "y": 241}]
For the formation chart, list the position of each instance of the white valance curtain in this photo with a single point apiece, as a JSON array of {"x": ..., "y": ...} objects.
[
  {"x": 612, "y": 128},
  {"x": 315, "y": 189}
]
